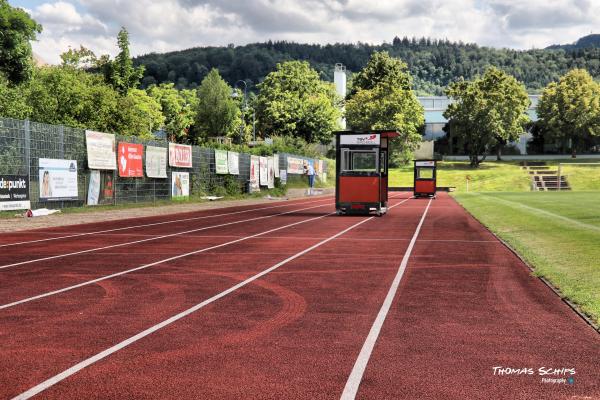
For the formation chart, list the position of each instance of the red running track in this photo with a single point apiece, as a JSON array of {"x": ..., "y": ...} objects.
[{"x": 464, "y": 305}]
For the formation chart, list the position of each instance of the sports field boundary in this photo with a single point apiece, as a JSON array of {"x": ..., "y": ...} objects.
[{"x": 556, "y": 290}]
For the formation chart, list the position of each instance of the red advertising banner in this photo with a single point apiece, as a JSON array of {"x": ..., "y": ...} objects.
[
  {"x": 180, "y": 155},
  {"x": 130, "y": 160}
]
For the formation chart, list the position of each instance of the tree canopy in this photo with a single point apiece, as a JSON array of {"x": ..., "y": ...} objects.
[
  {"x": 120, "y": 72},
  {"x": 294, "y": 101},
  {"x": 487, "y": 111},
  {"x": 382, "y": 98},
  {"x": 217, "y": 113},
  {"x": 17, "y": 29},
  {"x": 570, "y": 108}
]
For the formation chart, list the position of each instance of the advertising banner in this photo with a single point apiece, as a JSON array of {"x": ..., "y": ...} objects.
[
  {"x": 283, "y": 176},
  {"x": 14, "y": 192},
  {"x": 156, "y": 162},
  {"x": 101, "y": 150},
  {"x": 368, "y": 139},
  {"x": 180, "y": 184},
  {"x": 58, "y": 179},
  {"x": 295, "y": 165},
  {"x": 270, "y": 173},
  {"x": 233, "y": 161},
  {"x": 264, "y": 175},
  {"x": 254, "y": 174},
  {"x": 276, "y": 164},
  {"x": 180, "y": 155},
  {"x": 221, "y": 163},
  {"x": 131, "y": 160},
  {"x": 100, "y": 188}
]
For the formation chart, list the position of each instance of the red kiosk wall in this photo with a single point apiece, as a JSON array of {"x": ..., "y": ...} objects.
[
  {"x": 384, "y": 189},
  {"x": 359, "y": 189},
  {"x": 425, "y": 186}
]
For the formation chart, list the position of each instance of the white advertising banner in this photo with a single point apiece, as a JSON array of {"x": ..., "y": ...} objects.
[
  {"x": 369, "y": 139},
  {"x": 58, "y": 179},
  {"x": 233, "y": 160},
  {"x": 270, "y": 173},
  {"x": 295, "y": 165},
  {"x": 180, "y": 155},
  {"x": 180, "y": 184},
  {"x": 101, "y": 150},
  {"x": 254, "y": 174},
  {"x": 283, "y": 176},
  {"x": 264, "y": 175},
  {"x": 276, "y": 164},
  {"x": 94, "y": 188},
  {"x": 156, "y": 162},
  {"x": 221, "y": 162}
]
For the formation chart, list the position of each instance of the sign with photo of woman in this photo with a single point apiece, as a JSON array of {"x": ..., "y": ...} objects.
[
  {"x": 180, "y": 184},
  {"x": 57, "y": 179}
]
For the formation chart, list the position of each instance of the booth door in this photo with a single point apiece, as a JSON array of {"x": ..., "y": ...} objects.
[{"x": 383, "y": 171}]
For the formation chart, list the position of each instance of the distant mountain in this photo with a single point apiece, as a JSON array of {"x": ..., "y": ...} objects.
[
  {"x": 586, "y": 42},
  {"x": 432, "y": 63}
]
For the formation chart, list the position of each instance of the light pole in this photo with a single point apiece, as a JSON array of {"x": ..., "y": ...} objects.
[{"x": 244, "y": 105}]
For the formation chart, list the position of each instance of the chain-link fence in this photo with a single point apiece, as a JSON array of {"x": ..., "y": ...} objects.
[{"x": 23, "y": 143}]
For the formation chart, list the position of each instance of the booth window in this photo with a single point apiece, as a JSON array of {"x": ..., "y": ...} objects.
[
  {"x": 359, "y": 161},
  {"x": 425, "y": 173}
]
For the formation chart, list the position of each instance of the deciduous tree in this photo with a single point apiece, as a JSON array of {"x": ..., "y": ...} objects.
[
  {"x": 487, "y": 112},
  {"x": 570, "y": 108},
  {"x": 293, "y": 101},
  {"x": 17, "y": 29}
]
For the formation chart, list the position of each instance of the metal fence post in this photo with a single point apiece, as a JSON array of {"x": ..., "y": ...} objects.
[
  {"x": 27, "y": 137},
  {"x": 61, "y": 141}
]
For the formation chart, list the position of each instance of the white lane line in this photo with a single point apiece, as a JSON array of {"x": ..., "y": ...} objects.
[
  {"x": 203, "y": 250},
  {"x": 89, "y": 361},
  {"x": 360, "y": 365},
  {"x": 153, "y": 224},
  {"x": 153, "y": 238}
]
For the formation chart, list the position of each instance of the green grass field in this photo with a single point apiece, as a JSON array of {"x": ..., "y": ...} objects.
[
  {"x": 493, "y": 176},
  {"x": 557, "y": 233}
]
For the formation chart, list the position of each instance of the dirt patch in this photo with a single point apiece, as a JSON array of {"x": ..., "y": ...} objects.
[{"x": 20, "y": 224}]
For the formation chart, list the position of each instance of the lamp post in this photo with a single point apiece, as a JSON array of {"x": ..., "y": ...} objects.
[{"x": 244, "y": 105}]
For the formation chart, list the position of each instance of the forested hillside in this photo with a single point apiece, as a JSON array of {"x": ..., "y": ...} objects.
[{"x": 432, "y": 63}]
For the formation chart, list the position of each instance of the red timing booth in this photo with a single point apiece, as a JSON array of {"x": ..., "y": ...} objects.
[
  {"x": 425, "y": 178},
  {"x": 362, "y": 171}
]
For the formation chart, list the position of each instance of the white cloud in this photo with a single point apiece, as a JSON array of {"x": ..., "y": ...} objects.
[{"x": 159, "y": 26}]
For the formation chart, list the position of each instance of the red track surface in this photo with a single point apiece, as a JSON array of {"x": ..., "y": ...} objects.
[{"x": 465, "y": 305}]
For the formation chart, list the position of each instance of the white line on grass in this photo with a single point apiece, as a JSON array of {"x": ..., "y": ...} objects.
[
  {"x": 112, "y": 246},
  {"x": 203, "y": 250},
  {"x": 360, "y": 365},
  {"x": 153, "y": 224},
  {"x": 89, "y": 361},
  {"x": 514, "y": 204}
]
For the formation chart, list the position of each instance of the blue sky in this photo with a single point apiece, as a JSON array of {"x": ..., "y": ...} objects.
[{"x": 165, "y": 25}]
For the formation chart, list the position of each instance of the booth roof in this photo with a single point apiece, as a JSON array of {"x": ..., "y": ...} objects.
[{"x": 389, "y": 133}]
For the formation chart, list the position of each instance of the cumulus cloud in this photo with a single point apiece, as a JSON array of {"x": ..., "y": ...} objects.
[{"x": 164, "y": 25}]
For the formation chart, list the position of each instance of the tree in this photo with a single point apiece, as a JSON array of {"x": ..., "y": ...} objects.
[
  {"x": 217, "y": 113},
  {"x": 570, "y": 108},
  {"x": 59, "y": 95},
  {"x": 17, "y": 29},
  {"x": 81, "y": 58},
  {"x": 382, "y": 98},
  {"x": 13, "y": 100},
  {"x": 487, "y": 112},
  {"x": 120, "y": 73},
  {"x": 293, "y": 101},
  {"x": 138, "y": 114},
  {"x": 178, "y": 108},
  {"x": 382, "y": 69}
]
